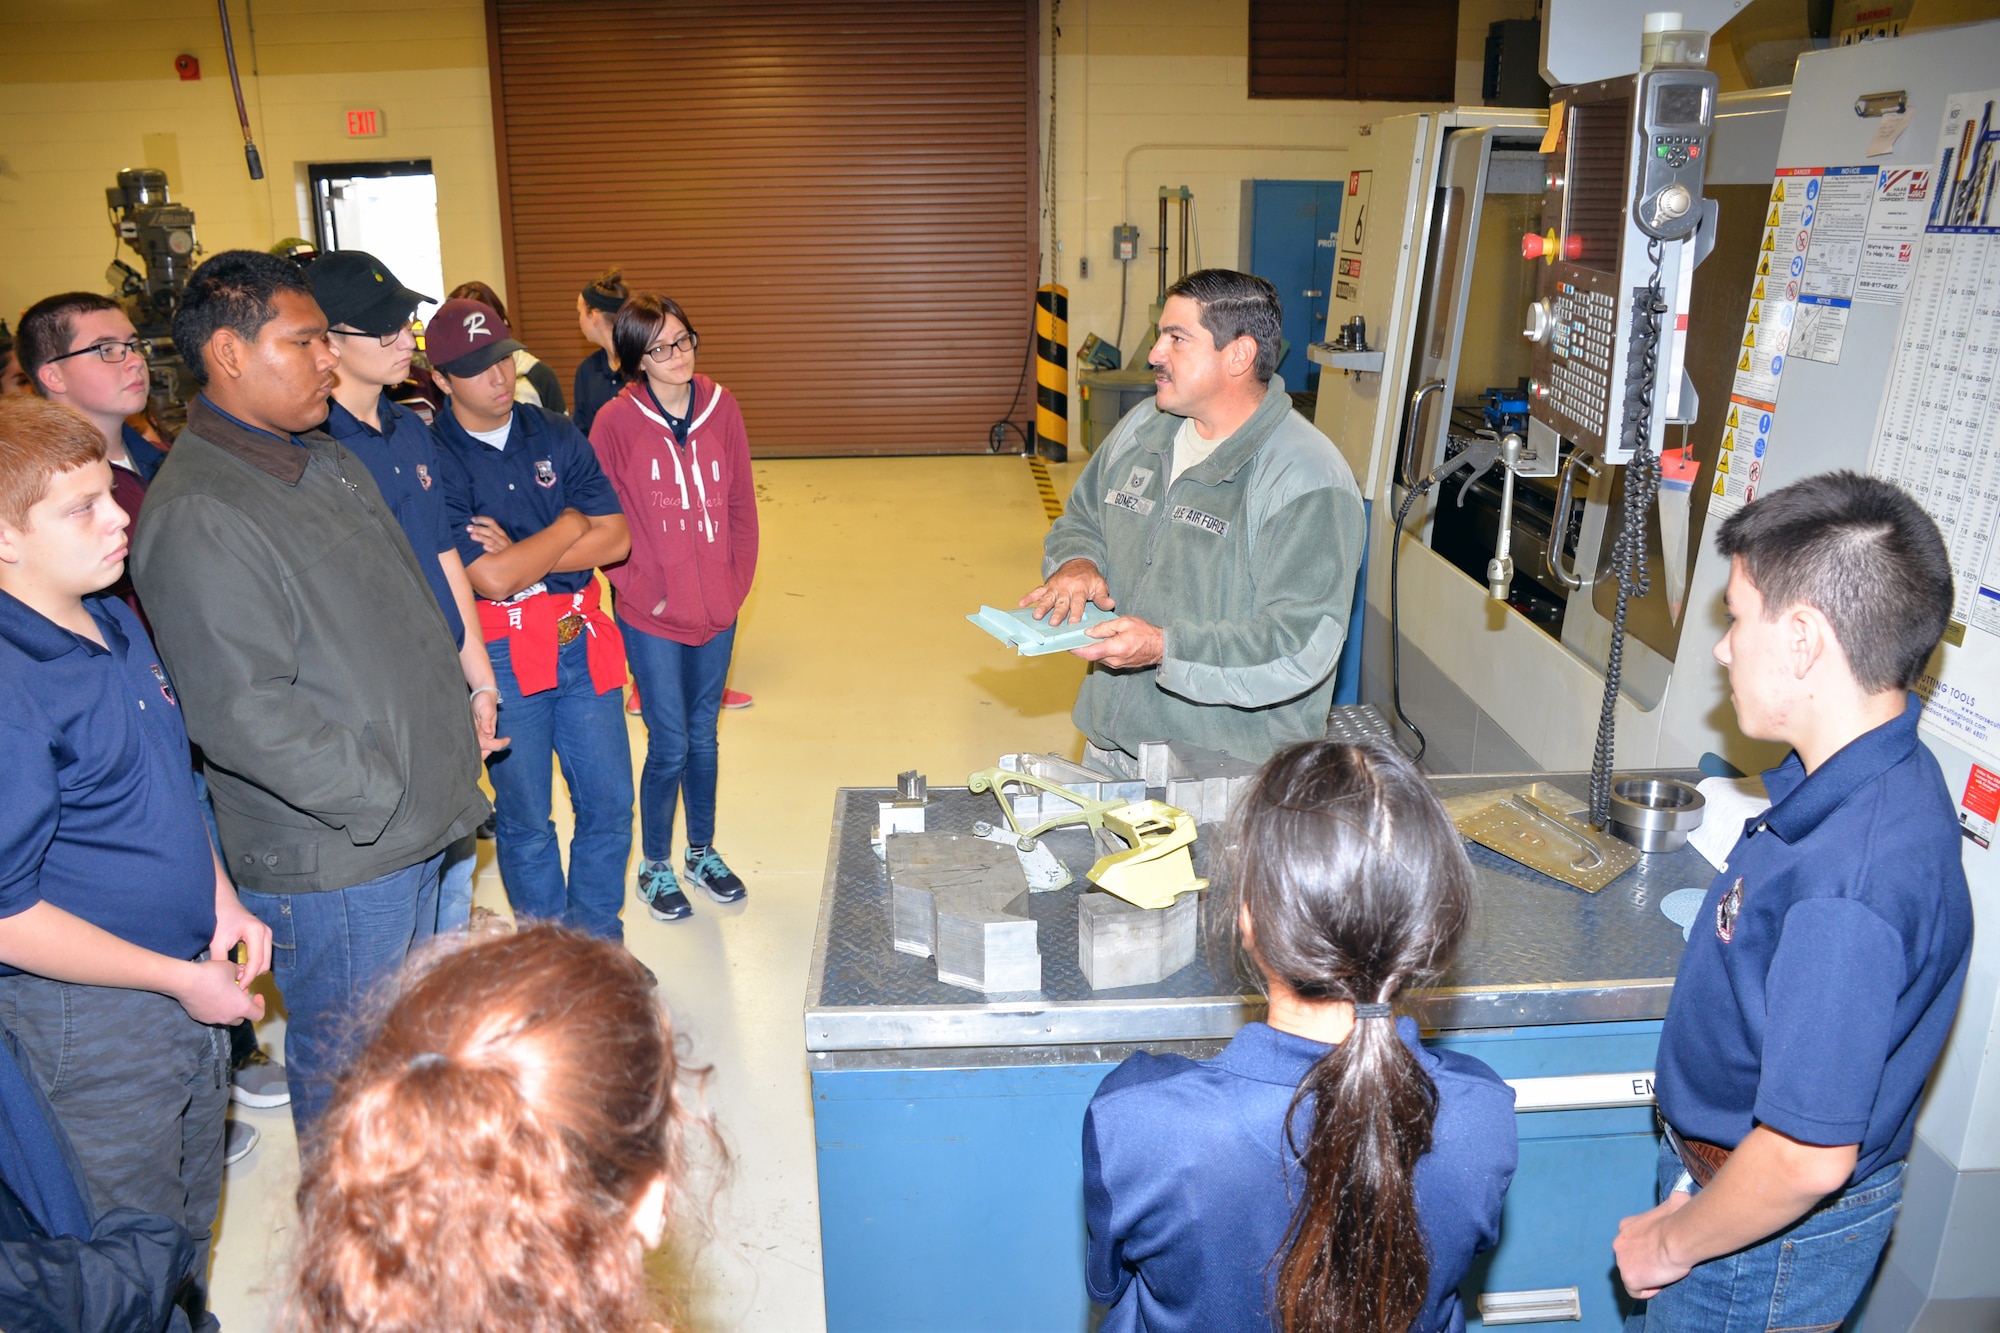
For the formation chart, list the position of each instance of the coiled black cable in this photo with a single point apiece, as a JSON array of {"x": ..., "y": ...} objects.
[{"x": 1642, "y": 485}]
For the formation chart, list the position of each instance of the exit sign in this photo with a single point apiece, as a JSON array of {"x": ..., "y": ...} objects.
[{"x": 364, "y": 124}]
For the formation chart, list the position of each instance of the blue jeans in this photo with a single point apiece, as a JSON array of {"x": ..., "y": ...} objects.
[
  {"x": 455, "y": 884},
  {"x": 585, "y": 730},
  {"x": 1805, "y": 1279},
  {"x": 680, "y": 697},
  {"x": 329, "y": 950}
]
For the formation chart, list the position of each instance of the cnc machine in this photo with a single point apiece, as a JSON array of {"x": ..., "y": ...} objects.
[{"x": 1825, "y": 299}]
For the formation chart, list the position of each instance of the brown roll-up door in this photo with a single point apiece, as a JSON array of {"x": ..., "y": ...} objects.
[{"x": 840, "y": 192}]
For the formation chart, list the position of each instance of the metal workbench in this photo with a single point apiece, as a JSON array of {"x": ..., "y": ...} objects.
[{"x": 948, "y": 1123}]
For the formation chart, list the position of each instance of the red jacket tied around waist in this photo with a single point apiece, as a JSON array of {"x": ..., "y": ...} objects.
[{"x": 692, "y": 510}]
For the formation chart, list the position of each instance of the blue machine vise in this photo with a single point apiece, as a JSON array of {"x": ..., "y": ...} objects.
[{"x": 1506, "y": 410}]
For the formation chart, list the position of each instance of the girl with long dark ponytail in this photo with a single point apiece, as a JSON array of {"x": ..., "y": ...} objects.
[{"x": 1278, "y": 1185}]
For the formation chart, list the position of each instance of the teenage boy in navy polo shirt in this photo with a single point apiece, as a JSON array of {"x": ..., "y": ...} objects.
[
  {"x": 116, "y": 918},
  {"x": 79, "y": 349},
  {"x": 369, "y": 312},
  {"x": 1822, "y": 974},
  {"x": 534, "y": 518}
]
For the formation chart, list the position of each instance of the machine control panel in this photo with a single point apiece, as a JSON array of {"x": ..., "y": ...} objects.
[{"x": 1623, "y": 188}]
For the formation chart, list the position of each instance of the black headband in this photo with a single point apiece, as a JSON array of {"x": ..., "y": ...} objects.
[{"x": 598, "y": 299}]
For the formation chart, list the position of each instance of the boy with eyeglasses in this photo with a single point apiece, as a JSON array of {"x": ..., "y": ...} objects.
[
  {"x": 368, "y": 314},
  {"x": 79, "y": 349},
  {"x": 534, "y": 517}
]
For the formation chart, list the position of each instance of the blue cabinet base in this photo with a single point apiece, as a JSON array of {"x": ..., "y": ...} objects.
[{"x": 951, "y": 1195}]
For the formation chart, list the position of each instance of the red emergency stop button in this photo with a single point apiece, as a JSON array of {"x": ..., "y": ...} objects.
[{"x": 1532, "y": 246}]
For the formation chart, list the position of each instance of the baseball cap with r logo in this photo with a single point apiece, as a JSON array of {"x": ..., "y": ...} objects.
[{"x": 465, "y": 337}]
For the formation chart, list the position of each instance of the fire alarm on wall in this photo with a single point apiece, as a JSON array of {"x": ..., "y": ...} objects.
[{"x": 188, "y": 67}]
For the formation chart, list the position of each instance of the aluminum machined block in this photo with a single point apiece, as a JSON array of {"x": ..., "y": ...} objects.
[
  {"x": 1205, "y": 783},
  {"x": 964, "y": 900},
  {"x": 987, "y": 941},
  {"x": 1032, "y": 805},
  {"x": 1118, "y": 944}
]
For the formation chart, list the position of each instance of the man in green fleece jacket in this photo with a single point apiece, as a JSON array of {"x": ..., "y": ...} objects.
[{"x": 1225, "y": 528}]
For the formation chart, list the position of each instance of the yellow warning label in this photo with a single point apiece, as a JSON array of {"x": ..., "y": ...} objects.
[
  {"x": 1758, "y": 295},
  {"x": 1756, "y": 315},
  {"x": 1718, "y": 485},
  {"x": 1722, "y": 461},
  {"x": 1749, "y": 340},
  {"x": 1764, "y": 266},
  {"x": 1744, "y": 364},
  {"x": 1778, "y": 193},
  {"x": 1731, "y": 424},
  {"x": 1769, "y": 244},
  {"x": 1773, "y": 220},
  {"x": 1729, "y": 436}
]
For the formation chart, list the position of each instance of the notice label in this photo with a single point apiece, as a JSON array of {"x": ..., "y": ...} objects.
[
  {"x": 1781, "y": 268},
  {"x": 1739, "y": 466},
  {"x": 1839, "y": 222}
]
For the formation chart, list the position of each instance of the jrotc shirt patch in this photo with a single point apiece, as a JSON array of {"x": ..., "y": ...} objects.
[
  {"x": 1726, "y": 911},
  {"x": 545, "y": 473}
]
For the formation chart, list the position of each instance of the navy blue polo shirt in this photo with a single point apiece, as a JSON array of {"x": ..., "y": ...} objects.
[
  {"x": 596, "y": 384},
  {"x": 547, "y": 466},
  {"x": 100, "y": 817},
  {"x": 1188, "y": 1185},
  {"x": 1822, "y": 974},
  {"x": 146, "y": 456},
  {"x": 402, "y": 457}
]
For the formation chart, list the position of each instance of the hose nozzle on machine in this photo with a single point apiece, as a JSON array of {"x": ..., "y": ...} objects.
[{"x": 1500, "y": 569}]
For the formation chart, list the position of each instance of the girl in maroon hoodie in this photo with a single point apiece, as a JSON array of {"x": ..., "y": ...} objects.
[{"x": 673, "y": 444}]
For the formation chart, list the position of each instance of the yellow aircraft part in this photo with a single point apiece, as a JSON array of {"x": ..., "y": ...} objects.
[{"x": 1156, "y": 868}]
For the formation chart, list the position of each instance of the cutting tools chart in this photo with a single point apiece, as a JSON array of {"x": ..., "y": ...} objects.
[{"x": 1938, "y": 434}]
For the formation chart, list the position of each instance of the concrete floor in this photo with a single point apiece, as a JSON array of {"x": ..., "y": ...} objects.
[{"x": 855, "y": 645}]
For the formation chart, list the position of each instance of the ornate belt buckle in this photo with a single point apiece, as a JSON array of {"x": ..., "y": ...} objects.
[{"x": 568, "y": 628}]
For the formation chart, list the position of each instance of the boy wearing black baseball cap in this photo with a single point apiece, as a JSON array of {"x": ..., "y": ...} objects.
[
  {"x": 534, "y": 517},
  {"x": 369, "y": 315}
]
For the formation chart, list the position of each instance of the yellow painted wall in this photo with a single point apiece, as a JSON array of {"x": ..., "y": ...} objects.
[
  {"x": 1156, "y": 92},
  {"x": 88, "y": 87}
]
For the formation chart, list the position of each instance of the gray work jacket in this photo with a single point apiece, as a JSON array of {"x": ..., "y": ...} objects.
[
  {"x": 1247, "y": 563},
  {"x": 314, "y": 668}
]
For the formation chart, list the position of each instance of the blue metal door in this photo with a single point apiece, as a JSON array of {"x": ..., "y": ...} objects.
[{"x": 1291, "y": 227}]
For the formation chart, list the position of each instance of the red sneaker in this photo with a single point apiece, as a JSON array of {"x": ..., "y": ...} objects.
[
  {"x": 736, "y": 699},
  {"x": 632, "y": 702}
]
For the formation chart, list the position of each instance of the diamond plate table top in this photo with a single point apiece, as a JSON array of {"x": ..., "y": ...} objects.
[{"x": 1537, "y": 951}]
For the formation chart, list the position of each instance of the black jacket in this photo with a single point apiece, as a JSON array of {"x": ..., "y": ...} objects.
[
  {"x": 61, "y": 1269},
  {"x": 314, "y": 668}
]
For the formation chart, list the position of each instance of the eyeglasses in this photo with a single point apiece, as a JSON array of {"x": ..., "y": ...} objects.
[
  {"x": 113, "y": 354},
  {"x": 385, "y": 339},
  {"x": 687, "y": 342}
]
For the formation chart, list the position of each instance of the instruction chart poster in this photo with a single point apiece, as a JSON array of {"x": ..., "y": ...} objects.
[{"x": 1938, "y": 434}]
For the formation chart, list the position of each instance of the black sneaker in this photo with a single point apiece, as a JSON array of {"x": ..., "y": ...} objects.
[
  {"x": 661, "y": 892},
  {"x": 707, "y": 872}
]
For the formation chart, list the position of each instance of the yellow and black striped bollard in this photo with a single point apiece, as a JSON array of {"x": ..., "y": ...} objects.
[{"x": 1052, "y": 372}]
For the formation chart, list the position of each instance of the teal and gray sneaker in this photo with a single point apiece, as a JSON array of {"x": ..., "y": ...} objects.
[
  {"x": 707, "y": 872},
  {"x": 661, "y": 892}
]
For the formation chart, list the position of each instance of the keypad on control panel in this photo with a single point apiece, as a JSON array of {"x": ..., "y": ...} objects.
[
  {"x": 1676, "y": 150},
  {"x": 1581, "y": 343}
]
